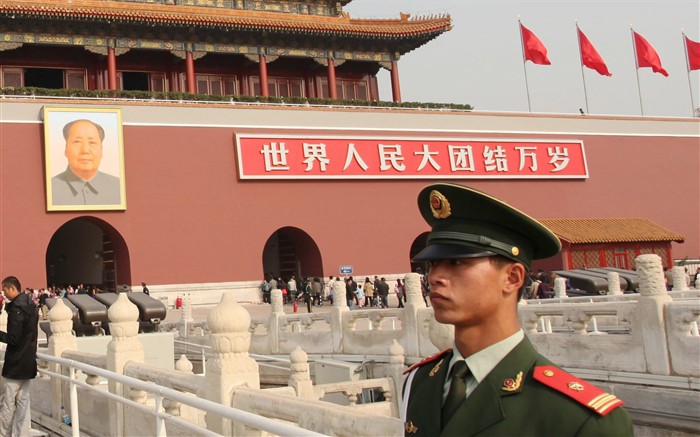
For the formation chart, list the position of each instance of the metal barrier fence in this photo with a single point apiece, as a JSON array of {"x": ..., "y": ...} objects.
[{"x": 159, "y": 393}]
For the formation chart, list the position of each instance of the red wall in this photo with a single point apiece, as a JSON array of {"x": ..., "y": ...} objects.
[{"x": 189, "y": 219}]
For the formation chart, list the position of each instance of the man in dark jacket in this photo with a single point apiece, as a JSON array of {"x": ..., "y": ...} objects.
[
  {"x": 20, "y": 359},
  {"x": 351, "y": 291},
  {"x": 383, "y": 292}
]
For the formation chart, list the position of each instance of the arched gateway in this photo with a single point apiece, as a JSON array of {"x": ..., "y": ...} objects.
[
  {"x": 89, "y": 251},
  {"x": 291, "y": 251}
]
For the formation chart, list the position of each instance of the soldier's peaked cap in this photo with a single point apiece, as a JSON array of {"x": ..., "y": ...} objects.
[{"x": 467, "y": 223}]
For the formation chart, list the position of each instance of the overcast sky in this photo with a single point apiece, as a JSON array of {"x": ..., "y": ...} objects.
[{"x": 479, "y": 62}]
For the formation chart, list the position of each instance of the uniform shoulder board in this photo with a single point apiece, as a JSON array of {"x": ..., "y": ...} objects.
[
  {"x": 430, "y": 359},
  {"x": 577, "y": 389}
]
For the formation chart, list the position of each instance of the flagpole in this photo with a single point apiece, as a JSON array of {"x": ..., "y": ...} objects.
[
  {"x": 636, "y": 70},
  {"x": 687, "y": 65},
  {"x": 522, "y": 47},
  {"x": 583, "y": 76}
]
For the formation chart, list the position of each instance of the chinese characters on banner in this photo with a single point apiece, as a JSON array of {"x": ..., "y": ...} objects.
[{"x": 292, "y": 157}]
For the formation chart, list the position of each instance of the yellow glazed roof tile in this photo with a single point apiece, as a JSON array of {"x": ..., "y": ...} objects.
[
  {"x": 610, "y": 230},
  {"x": 228, "y": 18}
]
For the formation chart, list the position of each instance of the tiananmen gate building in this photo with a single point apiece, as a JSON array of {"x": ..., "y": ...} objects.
[{"x": 209, "y": 196}]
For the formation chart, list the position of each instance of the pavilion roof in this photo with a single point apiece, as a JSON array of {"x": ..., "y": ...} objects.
[
  {"x": 110, "y": 11},
  {"x": 610, "y": 230}
]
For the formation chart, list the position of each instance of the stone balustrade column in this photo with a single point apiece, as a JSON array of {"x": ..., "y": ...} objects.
[
  {"x": 650, "y": 313},
  {"x": 273, "y": 330},
  {"x": 231, "y": 366},
  {"x": 184, "y": 326},
  {"x": 185, "y": 366},
  {"x": 61, "y": 339},
  {"x": 414, "y": 302},
  {"x": 679, "y": 278},
  {"x": 614, "y": 284},
  {"x": 395, "y": 369},
  {"x": 441, "y": 335},
  {"x": 300, "y": 378},
  {"x": 560, "y": 288},
  {"x": 277, "y": 301},
  {"x": 340, "y": 307},
  {"x": 124, "y": 347}
]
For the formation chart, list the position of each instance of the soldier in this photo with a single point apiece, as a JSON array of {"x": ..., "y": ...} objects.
[{"x": 492, "y": 382}]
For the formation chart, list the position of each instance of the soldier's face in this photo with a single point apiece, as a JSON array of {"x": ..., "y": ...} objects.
[
  {"x": 468, "y": 292},
  {"x": 84, "y": 149}
]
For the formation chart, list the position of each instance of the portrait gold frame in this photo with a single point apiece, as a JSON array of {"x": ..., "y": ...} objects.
[{"x": 56, "y": 163}]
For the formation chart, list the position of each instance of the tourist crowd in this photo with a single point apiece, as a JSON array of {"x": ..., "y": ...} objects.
[{"x": 315, "y": 291}]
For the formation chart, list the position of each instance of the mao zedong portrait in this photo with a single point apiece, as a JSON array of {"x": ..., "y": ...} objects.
[{"x": 82, "y": 183}]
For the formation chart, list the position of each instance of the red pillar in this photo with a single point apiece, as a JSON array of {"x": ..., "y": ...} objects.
[
  {"x": 111, "y": 69},
  {"x": 264, "y": 88},
  {"x": 395, "y": 87},
  {"x": 332, "y": 90},
  {"x": 189, "y": 69}
]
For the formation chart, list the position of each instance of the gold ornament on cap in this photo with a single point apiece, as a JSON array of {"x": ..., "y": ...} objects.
[
  {"x": 515, "y": 251},
  {"x": 439, "y": 205}
]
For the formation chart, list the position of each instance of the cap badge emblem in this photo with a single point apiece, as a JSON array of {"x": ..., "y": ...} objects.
[
  {"x": 439, "y": 205},
  {"x": 436, "y": 368},
  {"x": 511, "y": 384},
  {"x": 515, "y": 251}
]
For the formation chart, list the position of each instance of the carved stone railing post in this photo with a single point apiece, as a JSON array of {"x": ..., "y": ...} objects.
[
  {"x": 578, "y": 318},
  {"x": 395, "y": 370},
  {"x": 273, "y": 329},
  {"x": 184, "y": 326},
  {"x": 679, "y": 278},
  {"x": 124, "y": 346},
  {"x": 231, "y": 366},
  {"x": 300, "y": 378},
  {"x": 414, "y": 290},
  {"x": 650, "y": 307},
  {"x": 340, "y": 308},
  {"x": 614, "y": 283},
  {"x": 414, "y": 302},
  {"x": 441, "y": 335},
  {"x": 560, "y": 288},
  {"x": 61, "y": 339},
  {"x": 529, "y": 321},
  {"x": 277, "y": 301},
  {"x": 185, "y": 366}
]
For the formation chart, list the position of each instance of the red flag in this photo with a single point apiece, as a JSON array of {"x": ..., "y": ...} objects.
[
  {"x": 646, "y": 55},
  {"x": 693, "y": 51},
  {"x": 533, "y": 48},
  {"x": 590, "y": 57}
]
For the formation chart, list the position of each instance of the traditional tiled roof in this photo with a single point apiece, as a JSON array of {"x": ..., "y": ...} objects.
[
  {"x": 236, "y": 19},
  {"x": 610, "y": 230}
]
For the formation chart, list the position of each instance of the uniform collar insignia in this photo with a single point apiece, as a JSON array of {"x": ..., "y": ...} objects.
[
  {"x": 410, "y": 427},
  {"x": 436, "y": 368},
  {"x": 511, "y": 385},
  {"x": 575, "y": 386}
]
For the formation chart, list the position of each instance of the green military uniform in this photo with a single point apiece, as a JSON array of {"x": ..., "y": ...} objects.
[
  {"x": 524, "y": 394},
  {"x": 501, "y": 406}
]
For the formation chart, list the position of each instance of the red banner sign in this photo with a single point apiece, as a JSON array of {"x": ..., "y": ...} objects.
[{"x": 308, "y": 157}]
